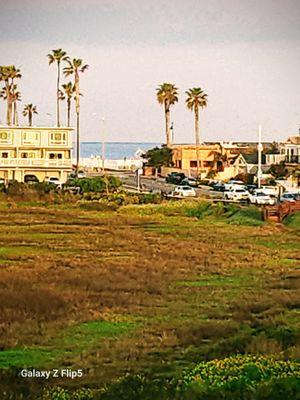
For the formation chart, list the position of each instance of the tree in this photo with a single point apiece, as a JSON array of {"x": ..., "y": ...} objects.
[
  {"x": 74, "y": 68},
  {"x": 159, "y": 157},
  {"x": 14, "y": 73},
  {"x": 69, "y": 90},
  {"x": 8, "y": 74},
  {"x": 28, "y": 111},
  {"x": 196, "y": 98},
  {"x": 57, "y": 56},
  {"x": 279, "y": 170},
  {"x": 167, "y": 95}
]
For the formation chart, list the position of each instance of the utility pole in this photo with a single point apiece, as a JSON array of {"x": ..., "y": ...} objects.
[{"x": 259, "y": 148}]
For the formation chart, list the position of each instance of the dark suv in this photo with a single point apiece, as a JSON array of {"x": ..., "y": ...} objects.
[{"x": 175, "y": 177}]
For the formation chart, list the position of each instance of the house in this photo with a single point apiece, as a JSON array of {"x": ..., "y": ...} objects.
[
  {"x": 38, "y": 151},
  {"x": 212, "y": 157},
  {"x": 289, "y": 152},
  {"x": 248, "y": 164}
]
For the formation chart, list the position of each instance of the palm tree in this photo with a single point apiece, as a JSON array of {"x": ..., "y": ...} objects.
[
  {"x": 8, "y": 74},
  {"x": 196, "y": 98},
  {"x": 74, "y": 68},
  {"x": 5, "y": 76},
  {"x": 29, "y": 110},
  {"x": 69, "y": 90},
  {"x": 14, "y": 73},
  {"x": 57, "y": 56},
  {"x": 167, "y": 95},
  {"x": 16, "y": 96}
]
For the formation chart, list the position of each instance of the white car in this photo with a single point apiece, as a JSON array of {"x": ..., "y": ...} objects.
[
  {"x": 234, "y": 184},
  {"x": 236, "y": 194},
  {"x": 270, "y": 190},
  {"x": 54, "y": 181},
  {"x": 184, "y": 191},
  {"x": 261, "y": 198}
]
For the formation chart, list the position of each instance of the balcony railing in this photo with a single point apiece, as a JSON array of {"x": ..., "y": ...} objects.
[
  {"x": 34, "y": 162},
  {"x": 292, "y": 159}
]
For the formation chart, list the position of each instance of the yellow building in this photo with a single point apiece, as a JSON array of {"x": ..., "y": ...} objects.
[
  {"x": 185, "y": 156},
  {"x": 39, "y": 151}
]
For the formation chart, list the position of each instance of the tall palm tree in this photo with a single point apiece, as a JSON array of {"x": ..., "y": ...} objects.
[
  {"x": 196, "y": 98},
  {"x": 57, "y": 56},
  {"x": 69, "y": 90},
  {"x": 5, "y": 76},
  {"x": 167, "y": 95},
  {"x": 14, "y": 73},
  {"x": 28, "y": 111},
  {"x": 14, "y": 95},
  {"x": 75, "y": 67}
]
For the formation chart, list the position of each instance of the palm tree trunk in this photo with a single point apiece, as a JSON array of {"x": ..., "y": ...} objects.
[
  {"x": 9, "y": 105},
  {"x": 197, "y": 137},
  {"x": 77, "y": 145},
  {"x": 30, "y": 118},
  {"x": 68, "y": 110},
  {"x": 57, "y": 93},
  {"x": 168, "y": 131}
]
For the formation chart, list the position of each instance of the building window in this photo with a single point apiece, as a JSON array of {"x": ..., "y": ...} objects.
[
  {"x": 4, "y": 155},
  {"x": 31, "y": 138},
  {"x": 58, "y": 138},
  {"x": 28, "y": 155},
  {"x": 55, "y": 156},
  {"x": 193, "y": 164},
  {"x": 5, "y": 137}
]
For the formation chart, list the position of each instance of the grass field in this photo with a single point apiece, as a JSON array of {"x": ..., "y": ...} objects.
[{"x": 145, "y": 288}]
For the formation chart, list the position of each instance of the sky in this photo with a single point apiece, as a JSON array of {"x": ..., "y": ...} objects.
[{"x": 245, "y": 54}]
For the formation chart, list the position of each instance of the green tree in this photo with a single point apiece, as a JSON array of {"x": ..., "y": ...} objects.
[
  {"x": 196, "y": 98},
  {"x": 57, "y": 56},
  {"x": 159, "y": 157},
  {"x": 28, "y": 111},
  {"x": 279, "y": 170},
  {"x": 167, "y": 95},
  {"x": 74, "y": 68}
]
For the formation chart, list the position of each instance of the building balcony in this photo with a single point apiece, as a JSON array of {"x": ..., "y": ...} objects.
[
  {"x": 34, "y": 162},
  {"x": 292, "y": 159}
]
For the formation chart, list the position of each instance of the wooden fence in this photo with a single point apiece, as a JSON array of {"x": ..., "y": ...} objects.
[{"x": 279, "y": 211}]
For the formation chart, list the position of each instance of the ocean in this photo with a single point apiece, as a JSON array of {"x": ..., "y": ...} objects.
[{"x": 113, "y": 150}]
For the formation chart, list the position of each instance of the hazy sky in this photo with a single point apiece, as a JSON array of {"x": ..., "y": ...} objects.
[{"x": 244, "y": 53}]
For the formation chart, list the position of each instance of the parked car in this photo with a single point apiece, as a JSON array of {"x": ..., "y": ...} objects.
[
  {"x": 184, "y": 191},
  {"x": 190, "y": 182},
  {"x": 251, "y": 188},
  {"x": 30, "y": 179},
  {"x": 234, "y": 184},
  {"x": 261, "y": 198},
  {"x": 236, "y": 194},
  {"x": 175, "y": 177},
  {"x": 219, "y": 187},
  {"x": 291, "y": 197},
  {"x": 55, "y": 181},
  {"x": 81, "y": 174},
  {"x": 270, "y": 190}
]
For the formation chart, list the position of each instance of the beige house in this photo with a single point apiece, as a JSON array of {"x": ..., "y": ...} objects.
[{"x": 39, "y": 151}]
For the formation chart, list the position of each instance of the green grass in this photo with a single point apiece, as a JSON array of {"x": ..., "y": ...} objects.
[{"x": 74, "y": 340}]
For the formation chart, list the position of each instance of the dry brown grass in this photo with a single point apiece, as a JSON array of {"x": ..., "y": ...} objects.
[{"x": 182, "y": 282}]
